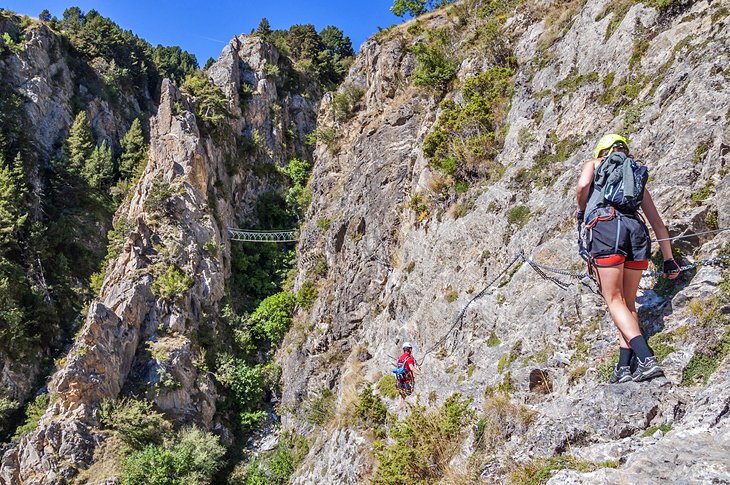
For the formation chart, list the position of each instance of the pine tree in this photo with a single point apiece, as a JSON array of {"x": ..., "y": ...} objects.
[
  {"x": 13, "y": 193},
  {"x": 264, "y": 29},
  {"x": 134, "y": 152},
  {"x": 80, "y": 143},
  {"x": 99, "y": 169}
]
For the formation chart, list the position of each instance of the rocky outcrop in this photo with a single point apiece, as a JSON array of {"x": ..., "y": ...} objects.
[
  {"x": 53, "y": 86},
  {"x": 398, "y": 274},
  {"x": 139, "y": 338}
]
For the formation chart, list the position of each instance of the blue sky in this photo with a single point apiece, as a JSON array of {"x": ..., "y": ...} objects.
[{"x": 204, "y": 27}]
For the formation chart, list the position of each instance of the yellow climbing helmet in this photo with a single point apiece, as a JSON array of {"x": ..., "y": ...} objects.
[{"x": 609, "y": 140}]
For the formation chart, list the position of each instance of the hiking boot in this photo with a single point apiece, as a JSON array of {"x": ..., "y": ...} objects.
[
  {"x": 647, "y": 369},
  {"x": 620, "y": 374}
]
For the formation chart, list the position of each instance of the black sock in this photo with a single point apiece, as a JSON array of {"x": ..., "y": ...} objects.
[
  {"x": 641, "y": 349},
  {"x": 624, "y": 357}
]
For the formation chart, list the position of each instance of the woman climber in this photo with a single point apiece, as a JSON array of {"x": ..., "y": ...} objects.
[{"x": 609, "y": 192}]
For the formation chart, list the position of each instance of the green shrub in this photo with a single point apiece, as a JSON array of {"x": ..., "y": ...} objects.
[
  {"x": 501, "y": 419},
  {"x": 192, "y": 456},
  {"x": 158, "y": 196},
  {"x": 345, "y": 103},
  {"x": 33, "y": 413},
  {"x": 321, "y": 407},
  {"x": 436, "y": 67},
  {"x": 468, "y": 137},
  {"x": 171, "y": 284},
  {"x": 703, "y": 193},
  {"x": 704, "y": 363},
  {"x": 324, "y": 223},
  {"x": 370, "y": 410},
  {"x": 307, "y": 294},
  {"x": 386, "y": 386},
  {"x": 135, "y": 421},
  {"x": 539, "y": 471},
  {"x": 493, "y": 340},
  {"x": 519, "y": 215},
  {"x": 664, "y": 428},
  {"x": 211, "y": 103},
  {"x": 451, "y": 295},
  {"x": 273, "y": 316},
  {"x": 288, "y": 454},
  {"x": 424, "y": 443}
]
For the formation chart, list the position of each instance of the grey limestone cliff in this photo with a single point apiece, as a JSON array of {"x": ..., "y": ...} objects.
[{"x": 398, "y": 274}]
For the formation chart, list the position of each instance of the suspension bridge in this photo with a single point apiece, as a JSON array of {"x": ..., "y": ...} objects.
[{"x": 249, "y": 235}]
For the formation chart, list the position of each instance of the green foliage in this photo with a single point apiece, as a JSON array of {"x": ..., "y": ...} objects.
[
  {"x": 13, "y": 203},
  {"x": 211, "y": 103},
  {"x": 414, "y": 8},
  {"x": 345, "y": 102},
  {"x": 277, "y": 467},
  {"x": 467, "y": 138},
  {"x": 320, "y": 408},
  {"x": 370, "y": 410},
  {"x": 80, "y": 143},
  {"x": 273, "y": 317},
  {"x": 493, "y": 340},
  {"x": 264, "y": 29},
  {"x": 158, "y": 197},
  {"x": 33, "y": 413},
  {"x": 705, "y": 362},
  {"x": 174, "y": 63},
  {"x": 518, "y": 215},
  {"x": 700, "y": 151},
  {"x": 298, "y": 171},
  {"x": 451, "y": 295},
  {"x": 171, "y": 283},
  {"x": 507, "y": 359},
  {"x": 424, "y": 443},
  {"x": 258, "y": 270},
  {"x": 664, "y": 428},
  {"x": 135, "y": 421},
  {"x": 323, "y": 223},
  {"x": 192, "y": 457},
  {"x": 99, "y": 168},
  {"x": 122, "y": 55},
  {"x": 386, "y": 386},
  {"x": 116, "y": 237},
  {"x": 134, "y": 152},
  {"x": 574, "y": 81},
  {"x": 307, "y": 295},
  {"x": 539, "y": 471},
  {"x": 436, "y": 66}
]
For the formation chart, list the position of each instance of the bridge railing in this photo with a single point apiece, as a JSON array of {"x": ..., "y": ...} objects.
[{"x": 248, "y": 235}]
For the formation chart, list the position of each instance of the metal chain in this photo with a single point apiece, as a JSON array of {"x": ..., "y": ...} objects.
[{"x": 460, "y": 317}]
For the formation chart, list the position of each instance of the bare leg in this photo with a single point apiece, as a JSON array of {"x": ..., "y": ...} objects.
[
  {"x": 632, "y": 278},
  {"x": 612, "y": 287}
]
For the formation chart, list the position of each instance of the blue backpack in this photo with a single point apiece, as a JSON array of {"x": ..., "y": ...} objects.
[
  {"x": 400, "y": 370},
  {"x": 622, "y": 181}
]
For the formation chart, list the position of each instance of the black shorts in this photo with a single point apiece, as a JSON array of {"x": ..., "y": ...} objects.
[{"x": 621, "y": 239}]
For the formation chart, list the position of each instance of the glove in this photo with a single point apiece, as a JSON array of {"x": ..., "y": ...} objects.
[
  {"x": 671, "y": 269},
  {"x": 579, "y": 216}
]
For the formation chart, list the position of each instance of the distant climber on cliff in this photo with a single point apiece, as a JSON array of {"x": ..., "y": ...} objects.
[
  {"x": 610, "y": 191},
  {"x": 405, "y": 373}
]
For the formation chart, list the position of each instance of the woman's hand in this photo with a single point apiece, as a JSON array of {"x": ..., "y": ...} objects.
[{"x": 671, "y": 269}]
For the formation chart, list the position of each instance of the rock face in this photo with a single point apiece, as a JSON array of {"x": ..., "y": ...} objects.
[
  {"x": 398, "y": 274},
  {"x": 53, "y": 88},
  {"x": 137, "y": 337}
]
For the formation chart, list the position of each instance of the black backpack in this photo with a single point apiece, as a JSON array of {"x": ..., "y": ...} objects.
[{"x": 621, "y": 180}]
